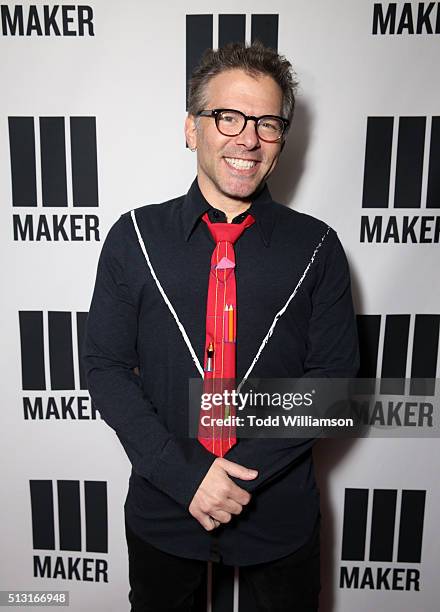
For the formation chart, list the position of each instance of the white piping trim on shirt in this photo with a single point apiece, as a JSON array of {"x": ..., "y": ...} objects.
[
  {"x": 165, "y": 297},
  {"x": 181, "y": 327},
  {"x": 282, "y": 311}
]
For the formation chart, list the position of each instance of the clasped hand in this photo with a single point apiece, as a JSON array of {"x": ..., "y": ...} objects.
[{"x": 218, "y": 497}]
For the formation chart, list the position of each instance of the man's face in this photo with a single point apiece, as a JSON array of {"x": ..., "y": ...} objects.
[{"x": 220, "y": 173}]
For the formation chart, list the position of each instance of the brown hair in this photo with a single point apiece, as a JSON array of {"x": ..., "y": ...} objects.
[{"x": 253, "y": 59}]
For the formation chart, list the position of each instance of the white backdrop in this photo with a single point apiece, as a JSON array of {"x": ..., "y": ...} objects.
[{"x": 134, "y": 67}]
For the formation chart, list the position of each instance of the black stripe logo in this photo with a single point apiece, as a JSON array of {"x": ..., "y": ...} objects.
[
  {"x": 391, "y": 532},
  {"x": 382, "y": 547},
  {"x": 391, "y": 365},
  {"x": 401, "y": 172},
  {"x": 52, "y": 131},
  {"x": 231, "y": 28},
  {"x": 54, "y": 166},
  {"x": 409, "y": 163},
  {"x": 68, "y": 512},
  {"x": 60, "y": 374}
]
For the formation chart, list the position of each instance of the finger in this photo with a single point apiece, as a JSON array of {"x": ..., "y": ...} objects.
[
  {"x": 230, "y": 498},
  {"x": 238, "y": 495},
  {"x": 225, "y": 505},
  {"x": 204, "y": 520},
  {"x": 221, "y": 516},
  {"x": 231, "y": 506},
  {"x": 238, "y": 471}
]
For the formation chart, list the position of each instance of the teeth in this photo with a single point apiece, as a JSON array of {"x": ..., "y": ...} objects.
[{"x": 242, "y": 164}]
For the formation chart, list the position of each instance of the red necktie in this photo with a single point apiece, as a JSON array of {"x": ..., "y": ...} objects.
[{"x": 220, "y": 346}]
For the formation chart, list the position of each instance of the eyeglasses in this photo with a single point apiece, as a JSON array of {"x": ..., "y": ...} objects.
[{"x": 229, "y": 122}]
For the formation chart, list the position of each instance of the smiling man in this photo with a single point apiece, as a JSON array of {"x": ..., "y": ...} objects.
[
  {"x": 194, "y": 287},
  {"x": 233, "y": 158}
]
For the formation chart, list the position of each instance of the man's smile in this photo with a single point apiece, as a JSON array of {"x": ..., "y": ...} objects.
[{"x": 243, "y": 165}]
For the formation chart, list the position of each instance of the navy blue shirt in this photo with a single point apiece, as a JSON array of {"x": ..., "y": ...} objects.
[{"x": 129, "y": 326}]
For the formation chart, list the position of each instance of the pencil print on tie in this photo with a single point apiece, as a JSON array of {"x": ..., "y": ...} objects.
[
  {"x": 210, "y": 358},
  {"x": 229, "y": 323}
]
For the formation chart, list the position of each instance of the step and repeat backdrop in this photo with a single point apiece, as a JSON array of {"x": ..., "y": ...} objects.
[{"x": 91, "y": 125}]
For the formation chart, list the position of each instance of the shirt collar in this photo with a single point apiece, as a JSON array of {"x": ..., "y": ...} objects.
[{"x": 262, "y": 209}]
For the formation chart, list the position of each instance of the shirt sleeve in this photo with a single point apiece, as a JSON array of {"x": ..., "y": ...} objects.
[
  {"x": 332, "y": 353},
  {"x": 175, "y": 465}
]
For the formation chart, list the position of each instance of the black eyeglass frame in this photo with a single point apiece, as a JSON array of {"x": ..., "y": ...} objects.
[{"x": 216, "y": 112}]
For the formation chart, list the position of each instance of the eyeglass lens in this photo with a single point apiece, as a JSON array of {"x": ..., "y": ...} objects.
[{"x": 231, "y": 123}]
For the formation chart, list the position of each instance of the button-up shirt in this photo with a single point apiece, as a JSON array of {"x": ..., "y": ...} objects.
[{"x": 138, "y": 366}]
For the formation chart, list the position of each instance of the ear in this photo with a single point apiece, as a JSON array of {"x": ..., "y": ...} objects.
[{"x": 191, "y": 131}]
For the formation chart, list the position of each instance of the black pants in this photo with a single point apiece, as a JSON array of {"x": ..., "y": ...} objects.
[{"x": 161, "y": 582}]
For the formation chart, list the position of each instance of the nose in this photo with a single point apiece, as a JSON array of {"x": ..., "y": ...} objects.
[{"x": 249, "y": 137}]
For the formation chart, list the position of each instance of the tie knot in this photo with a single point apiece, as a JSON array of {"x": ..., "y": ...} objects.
[{"x": 227, "y": 232}]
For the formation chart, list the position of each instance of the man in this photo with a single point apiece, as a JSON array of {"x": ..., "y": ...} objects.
[{"x": 252, "y": 503}]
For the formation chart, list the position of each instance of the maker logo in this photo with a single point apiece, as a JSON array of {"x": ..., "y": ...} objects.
[
  {"x": 46, "y": 20},
  {"x": 51, "y": 363},
  {"x": 401, "y": 172},
  {"x": 70, "y": 516},
  {"x": 399, "y": 354},
  {"x": 384, "y": 526},
  {"x": 46, "y": 173},
  {"x": 406, "y": 18},
  {"x": 201, "y": 34}
]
